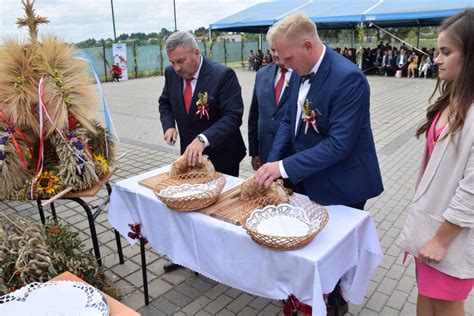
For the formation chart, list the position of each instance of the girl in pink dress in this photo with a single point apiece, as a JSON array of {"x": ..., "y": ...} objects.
[{"x": 439, "y": 229}]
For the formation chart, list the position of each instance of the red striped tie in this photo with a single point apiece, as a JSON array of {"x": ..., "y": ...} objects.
[
  {"x": 188, "y": 95},
  {"x": 279, "y": 85}
]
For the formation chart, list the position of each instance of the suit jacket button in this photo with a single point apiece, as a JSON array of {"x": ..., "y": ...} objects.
[{"x": 273, "y": 118}]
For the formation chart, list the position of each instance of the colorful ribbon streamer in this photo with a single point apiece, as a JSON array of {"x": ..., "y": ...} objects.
[
  {"x": 39, "y": 166},
  {"x": 11, "y": 131},
  {"x": 108, "y": 118}
]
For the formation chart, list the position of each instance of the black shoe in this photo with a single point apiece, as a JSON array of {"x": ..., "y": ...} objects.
[
  {"x": 170, "y": 267},
  {"x": 343, "y": 309},
  {"x": 336, "y": 305}
]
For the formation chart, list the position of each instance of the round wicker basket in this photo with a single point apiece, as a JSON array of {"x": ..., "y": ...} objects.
[
  {"x": 207, "y": 186},
  {"x": 315, "y": 213}
]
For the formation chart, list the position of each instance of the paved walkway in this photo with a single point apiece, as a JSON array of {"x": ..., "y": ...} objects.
[{"x": 398, "y": 106}]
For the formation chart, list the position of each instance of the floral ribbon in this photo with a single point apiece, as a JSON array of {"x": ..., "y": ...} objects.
[
  {"x": 292, "y": 304},
  {"x": 309, "y": 116},
  {"x": 108, "y": 117},
  {"x": 202, "y": 105},
  {"x": 135, "y": 233}
]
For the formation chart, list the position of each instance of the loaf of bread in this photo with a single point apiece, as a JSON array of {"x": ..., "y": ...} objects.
[
  {"x": 180, "y": 166},
  {"x": 248, "y": 191}
]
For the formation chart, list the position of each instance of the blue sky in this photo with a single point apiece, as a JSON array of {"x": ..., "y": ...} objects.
[{"x": 76, "y": 20}]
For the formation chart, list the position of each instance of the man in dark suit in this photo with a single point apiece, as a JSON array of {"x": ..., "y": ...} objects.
[
  {"x": 388, "y": 63},
  {"x": 269, "y": 100},
  {"x": 324, "y": 144},
  {"x": 402, "y": 62},
  {"x": 203, "y": 98}
]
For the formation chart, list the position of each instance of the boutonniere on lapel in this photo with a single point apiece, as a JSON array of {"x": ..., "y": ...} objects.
[
  {"x": 309, "y": 115},
  {"x": 202, "y": 105}
]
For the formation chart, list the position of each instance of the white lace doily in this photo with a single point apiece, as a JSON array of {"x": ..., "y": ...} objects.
[
  {"x": 65, "y": 298},
  {"x": 185, "y": 190},
  {"x": 282, "y": 220}
]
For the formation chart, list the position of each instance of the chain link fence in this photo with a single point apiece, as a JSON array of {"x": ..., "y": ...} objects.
[{"x": 151, "y": 60}]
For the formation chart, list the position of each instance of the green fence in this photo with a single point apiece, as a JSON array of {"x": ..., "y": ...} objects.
[{"x": 149, "y": 60}]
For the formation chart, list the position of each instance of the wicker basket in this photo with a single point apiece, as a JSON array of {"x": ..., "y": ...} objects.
[
  {"x": 314, "y": 212},
  {"x": 194, "y": 202}
]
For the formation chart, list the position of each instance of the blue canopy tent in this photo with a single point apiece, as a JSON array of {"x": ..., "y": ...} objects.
[{"x": 343, "y": 14}]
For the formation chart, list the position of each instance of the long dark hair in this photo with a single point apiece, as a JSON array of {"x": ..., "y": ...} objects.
[{"x": 459, "y": 92}]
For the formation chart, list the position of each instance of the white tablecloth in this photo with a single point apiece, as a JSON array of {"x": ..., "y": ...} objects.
[{"x": 347, "y": 248}]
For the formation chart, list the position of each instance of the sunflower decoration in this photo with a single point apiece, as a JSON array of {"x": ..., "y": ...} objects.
[
  {"x": 102, "y": 164},
  {"x": 48, "y": 184}
]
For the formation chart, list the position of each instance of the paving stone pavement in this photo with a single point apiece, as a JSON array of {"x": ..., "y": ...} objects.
[{"x": 397, "y": 107}]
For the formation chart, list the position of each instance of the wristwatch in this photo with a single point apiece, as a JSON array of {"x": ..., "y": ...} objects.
[{"x": 201, "y": 139}]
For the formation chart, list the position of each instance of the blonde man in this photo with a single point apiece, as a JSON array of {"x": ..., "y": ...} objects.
[{"x": 324, "y": 144}]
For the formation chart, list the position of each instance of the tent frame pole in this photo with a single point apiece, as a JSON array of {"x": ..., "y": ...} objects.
[
  {"x": 353, "y": 37},
  {"x": 418, "y": 34}
]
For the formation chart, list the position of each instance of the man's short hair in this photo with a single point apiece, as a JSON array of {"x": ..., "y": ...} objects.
[
  {"x": 184, "y": 39},
  {"x": 293, "y": 27}
]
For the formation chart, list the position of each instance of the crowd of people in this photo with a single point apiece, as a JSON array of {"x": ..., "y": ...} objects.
[
  {"x": 258, "y": 59},
  {"x": 386, "y": 60}
]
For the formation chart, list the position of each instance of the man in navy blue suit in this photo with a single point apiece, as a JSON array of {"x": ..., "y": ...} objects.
[
  {"x": 203, "y": 98},
  {"x": 269, "y": 101},
  {"x": 324, "y": 144}
]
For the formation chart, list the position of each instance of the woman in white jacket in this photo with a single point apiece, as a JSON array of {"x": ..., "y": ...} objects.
[{"x": 439, "y": 228}]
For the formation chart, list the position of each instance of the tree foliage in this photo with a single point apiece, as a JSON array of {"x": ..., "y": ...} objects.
[
  {"x": 201, "y": 31},
  {"x": 405, "y": 33}
]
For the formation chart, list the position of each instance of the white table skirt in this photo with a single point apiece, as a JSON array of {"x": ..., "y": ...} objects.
[{"x": 347, "y": 248}]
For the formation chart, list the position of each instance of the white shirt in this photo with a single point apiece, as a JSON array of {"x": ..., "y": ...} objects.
[
  {"x": 287, "y": 80},
  {"x": 302, "y": 94},
  {"x": 193, "y": 87},
  {"x": 195, "y": 78},
  {"x": 402, "y": 58}
]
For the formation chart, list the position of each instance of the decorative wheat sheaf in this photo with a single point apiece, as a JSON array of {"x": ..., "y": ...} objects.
[{"x": 49, "y": 141}]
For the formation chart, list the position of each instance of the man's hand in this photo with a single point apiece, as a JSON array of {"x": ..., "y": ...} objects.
[
  {"x": 432, "y": 251},
  {"x": 266, "y": 174},
  {"x": 256, "y": 162},
  {"x": 170, "y": 136},
  {"x": 193, "y": 153}
]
